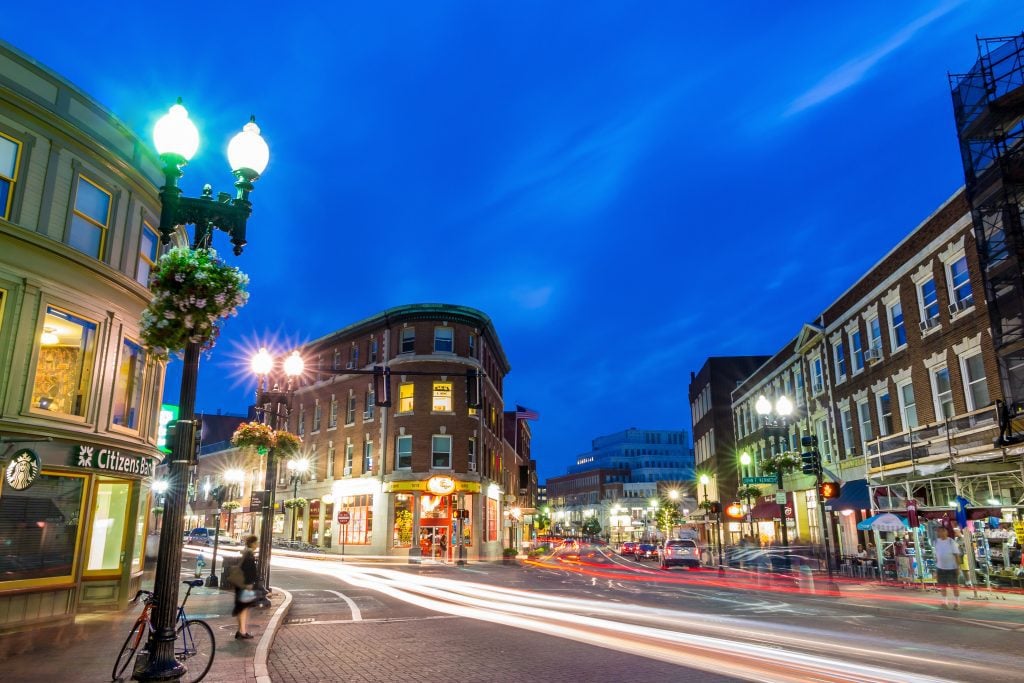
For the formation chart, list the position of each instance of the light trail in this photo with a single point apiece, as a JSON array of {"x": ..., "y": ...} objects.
[{"x": 734, "y": 649}]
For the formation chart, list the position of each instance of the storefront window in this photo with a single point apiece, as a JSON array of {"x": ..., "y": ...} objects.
[
  {"x": 467, "y": 524},
  {"x": 401, "y": 536},
  {"x": 128, "y": 390},
  {"x": 64, "y": 371},
  {"x": 360, "y": 524},
  {"x": 492, "y": 519},
  {"x": 39, "y": 528},
  {"x": 140, "y": 530},
  {"x": 109, "y": 515}
]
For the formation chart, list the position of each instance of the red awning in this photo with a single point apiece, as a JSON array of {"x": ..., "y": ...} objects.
[{"x": 768, "y": 509}]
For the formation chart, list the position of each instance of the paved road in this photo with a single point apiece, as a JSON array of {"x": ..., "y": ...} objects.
[{"x": 581, "y": 618}]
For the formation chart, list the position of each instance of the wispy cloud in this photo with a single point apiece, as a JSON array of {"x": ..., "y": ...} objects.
[{"x": 854, "y": 71}]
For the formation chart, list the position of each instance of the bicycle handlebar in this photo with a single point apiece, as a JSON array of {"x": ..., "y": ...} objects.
[{"x": 140, "y": 594}]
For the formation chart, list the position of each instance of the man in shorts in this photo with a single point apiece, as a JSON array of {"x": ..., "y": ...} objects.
[{"x": 947, "y": 564}]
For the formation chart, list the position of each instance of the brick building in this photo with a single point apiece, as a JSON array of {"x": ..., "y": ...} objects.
[{"x": 401, "y": 471}]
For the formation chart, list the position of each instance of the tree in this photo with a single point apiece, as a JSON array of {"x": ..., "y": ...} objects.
[
  {"x": 591, "y": 527},
  {"x": 542, "y": 519},
  {"x": 667, "y": 516}
]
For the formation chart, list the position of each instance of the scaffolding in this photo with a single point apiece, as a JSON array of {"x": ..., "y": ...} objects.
[{"x": 988, "y": 104}]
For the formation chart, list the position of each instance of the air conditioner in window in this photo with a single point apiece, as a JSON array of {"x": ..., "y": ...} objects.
[
  {"x": 472, "y": 467},
  {"x": 351, "y": 365},
  {"x": 873, "y": 354},
  {"x": 817, "y": 388},
  {"x": 346, "y": 471},
  {"x": 929, "y": 323},
  {"x": 960, "y": 306}
]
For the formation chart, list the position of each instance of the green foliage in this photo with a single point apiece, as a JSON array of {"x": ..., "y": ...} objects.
[
  {"x": 542, "y": 519},
  {"x": 231, "y": 505},
  {"x": 667, "y": 516},
  {"x": 784, "y": 462},
  {"x": 295, "y": 503},
  {"x": 509, "y": 552},
  {"x": 403, "y": 526},
  {"x": 193, "y": 291},
  {"x": 286, "y": 443},
  {"x": 591, "y": 527},
  {"x": 745, "y": 492}
]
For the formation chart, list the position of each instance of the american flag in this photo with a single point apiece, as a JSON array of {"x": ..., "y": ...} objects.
[{"x": 526, "y": 414}]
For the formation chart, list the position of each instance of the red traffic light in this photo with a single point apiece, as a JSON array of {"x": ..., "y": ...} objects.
[{"x": 828, "y": 489}]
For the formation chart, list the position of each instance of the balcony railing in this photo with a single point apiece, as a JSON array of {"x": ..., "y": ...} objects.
[{"x": 969, "y": 434}]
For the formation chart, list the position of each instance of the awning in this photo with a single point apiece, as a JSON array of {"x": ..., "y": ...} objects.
[
  {"x": 853, "y": 496},
  {"x": 883, "y": 522},
  {"x": 768, "y": 509}
]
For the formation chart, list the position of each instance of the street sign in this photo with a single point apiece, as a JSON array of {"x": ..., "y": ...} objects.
[
  {"x": 780, "y": 497},
  {"x": 343, "y": 517},
  {"x": 759, "y": 480}
]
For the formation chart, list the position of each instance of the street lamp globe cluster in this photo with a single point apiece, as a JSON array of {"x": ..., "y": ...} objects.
[
  {"x": 177, "y": 140},
  {"x": 776, "y": 427},
  {"x": 298, "y": 468}
]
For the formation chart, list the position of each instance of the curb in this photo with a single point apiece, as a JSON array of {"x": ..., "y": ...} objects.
[{"x": 267, "y": 639}]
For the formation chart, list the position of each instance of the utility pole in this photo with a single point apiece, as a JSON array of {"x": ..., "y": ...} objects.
[{"x": 812, "y": 465}]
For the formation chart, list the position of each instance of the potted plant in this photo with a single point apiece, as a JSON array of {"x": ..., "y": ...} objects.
[
  {"x": 193, "y": 291},
  {"x": 748, "y": 492},
  {"x": 784, "y": 462},
  {"x": 254, "y": 435},
  {"x": 293, "y": 503},
  {"x": 286, "y": 443},
  {"x": 508, "y": 555}
]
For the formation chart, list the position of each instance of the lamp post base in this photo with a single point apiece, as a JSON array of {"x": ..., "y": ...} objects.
[{"x": 211, "y": 581}]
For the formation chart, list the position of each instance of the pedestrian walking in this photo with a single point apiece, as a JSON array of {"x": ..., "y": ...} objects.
[
  {"x": 947, "y": 566},
  {"x": 245, "y": 596}
]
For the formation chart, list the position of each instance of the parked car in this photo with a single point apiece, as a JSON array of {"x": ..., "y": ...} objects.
[
  {"x": 680, "y": 552},
  {"x": 627, "y": 548},
  {"x": 645, "y": 551},
  {"x": 198, "y": 536}
]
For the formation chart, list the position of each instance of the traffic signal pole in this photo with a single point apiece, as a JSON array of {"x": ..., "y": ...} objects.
[{"x": 812, "y": 465}]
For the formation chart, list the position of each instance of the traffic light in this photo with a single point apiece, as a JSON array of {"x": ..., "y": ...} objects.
[
  {"x": 715, "y": 508},
  {"x": 381, "y": 386},
  {"x": 828, "y": 489},
  {"x": 812, "y": 462},
  {"x": 473, "y": 388},
  {"x": 735, "y": 511}
]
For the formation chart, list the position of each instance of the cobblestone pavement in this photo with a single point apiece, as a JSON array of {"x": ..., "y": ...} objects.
[{"x": 453, "y": 649}]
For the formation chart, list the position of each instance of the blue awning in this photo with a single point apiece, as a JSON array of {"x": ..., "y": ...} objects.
[
  {"x": 853, "y": 496},
  {"x": 885, "y": 521}
]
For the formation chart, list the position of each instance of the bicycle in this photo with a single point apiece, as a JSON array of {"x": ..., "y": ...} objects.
[{"x": 194, "y": 644}]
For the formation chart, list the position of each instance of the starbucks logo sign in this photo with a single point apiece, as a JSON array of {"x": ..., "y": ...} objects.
[{"x": 23, "y": 470}]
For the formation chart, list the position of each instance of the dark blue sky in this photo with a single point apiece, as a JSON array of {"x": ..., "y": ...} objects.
[{"x": 624, "y": 188}]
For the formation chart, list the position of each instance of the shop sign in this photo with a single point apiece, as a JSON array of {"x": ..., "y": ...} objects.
[
  {"x": 789, "y": 511},
  {"x": 441, "y": 485},
  {"x": 314, "y": 507},
  {"x": 256, "y": 500},
  {"x": 1018, "y": 528},
  {"x": 421, "y": 485},
  {"x": 110, "y": 460},
  {"x": 22, "y": 470}
]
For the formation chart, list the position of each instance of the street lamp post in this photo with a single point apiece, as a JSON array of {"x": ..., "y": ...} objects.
[
  {"x": 746, "y": 460},
  {"x": 234, "y": 478},
  {"x": 177, "y": 139},
  {"x": 775, "y": 427},
  {"x": 717, "y": 524},
  {"x": 298, "y": 467},
  {"x": 262, "y": 365}
]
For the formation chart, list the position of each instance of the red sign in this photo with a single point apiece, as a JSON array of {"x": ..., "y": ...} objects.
[
  {"x": 343, "y": 517},
  {"x": 314, "y": 508},
  {"x": 789, "y": 511}
]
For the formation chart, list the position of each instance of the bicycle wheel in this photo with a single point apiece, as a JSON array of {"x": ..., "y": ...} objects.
[
  {"x": 127, "y": 654},
  {"x": 194, "y": 646}
]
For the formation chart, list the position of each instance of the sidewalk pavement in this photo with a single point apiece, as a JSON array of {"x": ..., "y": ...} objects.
[{"x": 89, "y": 654}]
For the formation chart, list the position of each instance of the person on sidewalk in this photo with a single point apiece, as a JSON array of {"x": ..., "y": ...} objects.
[
  {"x": 947, "y": 566},
  {"x": 248, "y": 567}
]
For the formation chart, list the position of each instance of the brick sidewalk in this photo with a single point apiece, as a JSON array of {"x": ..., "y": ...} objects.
[{"x": 89, "y": 654}]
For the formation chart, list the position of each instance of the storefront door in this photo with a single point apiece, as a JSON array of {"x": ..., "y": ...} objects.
[{"x": 434, "y": 540}]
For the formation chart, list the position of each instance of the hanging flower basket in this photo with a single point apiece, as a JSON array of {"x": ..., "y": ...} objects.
[
  {"x": 193, "y": 290},
  {"x": 786, "y": 463},
  {"x": 287, "y": 443},
  {"x": 231, "y": 505},
  {"x": 745, "y": 492},
  {"x": 293, "y": 503},
  {"x": 253, "y": 435}
]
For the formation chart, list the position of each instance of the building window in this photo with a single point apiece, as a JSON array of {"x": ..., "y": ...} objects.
[
  {"x": 408, "y": 340},
  {"x": 847, "y": 419},
  {"x": 401, "y": 536},
  {"x": 109, "y": 517},
  {"x": 349, "y": 456},
  {"x": 908, "y": 406},
  {"x": 90, "y": 218},
  {"x": 10, "y": 152},
  {"x": 897, "y": 330},
  {"x": 444, "y": 340},
  {"x": 975, "y": 382},
  {"x": 929, "y": 300},
  {"x": 857, "y": 349},
  {"x": 403, "y": 452},
  {"x": 336, "y": 361},
  {"x": 350, "y": 412},
  {"x": 332, "y": 415},
  {"x": 472, "y": 455},
  {"x": 943, "y": 389},
  {"x": 405, "y": 397},
  {"x": 840, "y": 351},
  {"x": 875, "y": 332},
  {"x": 371, "y": 400},
  {"x": 472, "y": 346},
  {"x": 442, "y": 397},
  {"x": 40, "y": 526},
  {"x": 64, "y": 371},
  {"x": 149, "y": 249},
  {"x": 367, "y": 457},
  {"x": 359, "y": 529},
  {"x": 960, "y": 294},
  {"x": 884, "y": 413},
  {"x": 817, "y": 377},
  {"x": 131, "y": 371},
  {"x": 353, "y": 356},
  {"x": 330, "y": 459},
  {"x": 441, "y": 452},
  {"x": 824, "y": 444},
  {"x": 491, "y": 523},
  {"x": 302, "y": 421},
  {"x": 373, "y": 351},
  {"x": 316, "y": 415}
]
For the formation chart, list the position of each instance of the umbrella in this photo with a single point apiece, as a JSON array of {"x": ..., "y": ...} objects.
[{"x": 883, "y": 522}]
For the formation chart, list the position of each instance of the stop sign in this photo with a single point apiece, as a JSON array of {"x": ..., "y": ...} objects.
[{"x": 343, "y": 517}]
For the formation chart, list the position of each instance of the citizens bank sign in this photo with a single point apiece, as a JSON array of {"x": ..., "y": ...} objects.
[{"x": 109, "y": 460}]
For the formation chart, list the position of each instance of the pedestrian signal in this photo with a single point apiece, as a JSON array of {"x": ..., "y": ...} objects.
[{"x": 828, "y": 489}]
